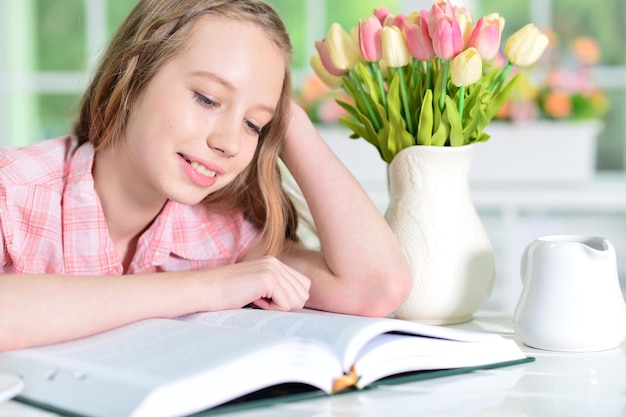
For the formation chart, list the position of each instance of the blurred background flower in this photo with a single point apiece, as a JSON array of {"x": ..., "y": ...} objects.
[
  {"x": 559, "y": 86},
  {"x": 318, "y": 100}
]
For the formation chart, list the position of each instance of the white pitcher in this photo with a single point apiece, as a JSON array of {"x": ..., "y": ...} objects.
[{"x": 571, "y": 298}]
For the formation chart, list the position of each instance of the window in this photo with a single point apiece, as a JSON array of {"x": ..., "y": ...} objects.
[
  {"x": 603, "y": 20},
  {"x": 48, "y": 48}
]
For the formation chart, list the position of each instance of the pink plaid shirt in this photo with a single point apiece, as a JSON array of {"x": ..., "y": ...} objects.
[{"x": 51, "y": 221}]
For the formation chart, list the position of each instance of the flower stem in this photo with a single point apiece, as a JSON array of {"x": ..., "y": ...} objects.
[
  {"x": 428, "y": 75},
  {"x": 444, "y": 85},
  {"x": 354, "y": 79},
  {"x": 497, "y": 82},
  {"x": 381, "y": 84},
  {"x": 405, "y": 101}
]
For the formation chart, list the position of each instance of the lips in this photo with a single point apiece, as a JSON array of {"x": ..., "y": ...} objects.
[
  {"x": 200, "y": 172},
  {"x": 201, "y": 169}
]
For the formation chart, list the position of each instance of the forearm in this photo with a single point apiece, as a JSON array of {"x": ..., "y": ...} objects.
[
  {"x": 40, "y": 309},
  {"x": 360, "y": 251}
]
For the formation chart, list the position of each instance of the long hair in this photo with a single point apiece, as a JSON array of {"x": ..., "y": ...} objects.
[{"x": 155, "y": 32}]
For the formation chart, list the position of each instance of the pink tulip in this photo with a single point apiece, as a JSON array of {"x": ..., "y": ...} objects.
[
  {"x": 465, "y": 23},
  {"x": 331, "y": 81},
  {"x": 464, "y": 11},
  {"x": 324, "y": 54},
  {"x": 447, "y": 38},
  {"x": 370, "y": 35},
  {"x": 418, "y": 40},
  {"x": 485, "y": 38},
  {"x": 399, "y": 21},
  {"x": 381, "y": 14},
  {"x": 389, "y": 20},
  {"x": 438, "y": 10}
]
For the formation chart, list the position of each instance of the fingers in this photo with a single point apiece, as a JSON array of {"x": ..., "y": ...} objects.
[
  {"x": 285, "y": 288},
  {"x": 264, "y": 282}
]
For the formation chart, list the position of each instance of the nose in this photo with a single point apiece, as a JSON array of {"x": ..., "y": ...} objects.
[{"x": 224, "y": 138}]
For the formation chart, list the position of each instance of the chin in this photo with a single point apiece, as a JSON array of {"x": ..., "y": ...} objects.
[
  {"x": 191, "y": 197},
  {"x": 186, "y": 197}
]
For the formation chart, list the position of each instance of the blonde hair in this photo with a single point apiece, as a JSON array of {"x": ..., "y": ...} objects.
[{"x": 153, "y": 33}]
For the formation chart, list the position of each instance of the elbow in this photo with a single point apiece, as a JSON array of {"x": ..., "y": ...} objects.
[
  {"x": 387, "y": 292},
  {"x": 394, "y": 294}
]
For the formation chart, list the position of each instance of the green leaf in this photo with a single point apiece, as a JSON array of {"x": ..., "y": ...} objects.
[
  {"x": 347, "y": 107},
  {"x": 398, "y": 138},
  {"x": 442, "y": 133},
  {"x": 383, "y": 138},
  {"x": 456, "y": 127},
  {"x": 473, "y": 114},
  {"x": 484, "y": 137},
  {"x": 356, "y": 127},
  {"x": 372, "y": 135},
  {"x": 370, "y": 84},
  {"x": 425, "y": 126},
  {"x": 501, "y": 98},
  {"x": 436, "y": 94},
  {"x": 356, "y": 95}
]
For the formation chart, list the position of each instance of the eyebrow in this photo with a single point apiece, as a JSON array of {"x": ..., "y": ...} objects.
[
  {"x": 229, "y": 86},
  {"x": 214, "y": 77}
]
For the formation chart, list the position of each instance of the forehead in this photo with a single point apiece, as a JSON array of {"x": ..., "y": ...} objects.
[{"x": 239, "y": 51}]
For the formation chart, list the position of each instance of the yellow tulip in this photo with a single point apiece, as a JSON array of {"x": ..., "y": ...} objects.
[
  {"x": 466, "y": 68},
  {"x": 525, "y": 46},
  {"x": 395, "y": 50},
  {"x": 342, "y": 47},
  {"x": 413, "y": 17},
  {"x": 332, "y": 81}
]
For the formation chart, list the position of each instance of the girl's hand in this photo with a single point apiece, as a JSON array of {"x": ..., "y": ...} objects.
[{"x": 265, "y": 282}]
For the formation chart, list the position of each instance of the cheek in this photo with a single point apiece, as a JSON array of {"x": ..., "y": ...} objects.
[{"x": 247, "y": 153}]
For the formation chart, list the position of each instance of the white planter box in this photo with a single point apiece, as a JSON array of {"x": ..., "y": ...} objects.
[{"x": 537, "y": 151}]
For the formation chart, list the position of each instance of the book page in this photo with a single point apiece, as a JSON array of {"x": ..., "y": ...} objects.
[
  {"x": 165, "y": 364},
  {"x": 346, "y": 334},
  {"x": 392, "y": 354}
]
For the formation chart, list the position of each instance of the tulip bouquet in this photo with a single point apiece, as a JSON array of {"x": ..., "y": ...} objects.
[{"x": 429, "y": 78}]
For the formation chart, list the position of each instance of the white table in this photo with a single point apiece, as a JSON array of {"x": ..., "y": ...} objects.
[{"x": 556, "y": 384}]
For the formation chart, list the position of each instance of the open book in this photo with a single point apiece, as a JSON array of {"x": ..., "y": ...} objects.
[{"x": 175, "y": 367}]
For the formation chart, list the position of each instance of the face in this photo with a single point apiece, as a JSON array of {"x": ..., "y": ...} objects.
[{"x": 196, "y": 126}]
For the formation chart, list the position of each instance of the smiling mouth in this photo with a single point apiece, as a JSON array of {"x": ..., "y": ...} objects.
[{"x": 200, "y": 169}]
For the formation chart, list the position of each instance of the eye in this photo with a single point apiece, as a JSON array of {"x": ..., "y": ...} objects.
[
  {"x": 253, "y": 128},
  {"x": 204, "y": 101}
]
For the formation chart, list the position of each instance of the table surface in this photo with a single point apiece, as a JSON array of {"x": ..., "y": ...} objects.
[{"x": 556, "y": 384}]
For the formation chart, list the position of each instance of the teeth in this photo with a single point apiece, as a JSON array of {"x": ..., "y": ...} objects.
[{"x": 201, "y": 169}]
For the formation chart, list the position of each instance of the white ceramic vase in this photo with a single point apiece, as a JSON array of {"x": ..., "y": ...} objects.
[{"x": 433, "y": 216}]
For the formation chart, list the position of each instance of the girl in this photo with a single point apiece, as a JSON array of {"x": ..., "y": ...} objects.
[{"x": 167, "y": 198}]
